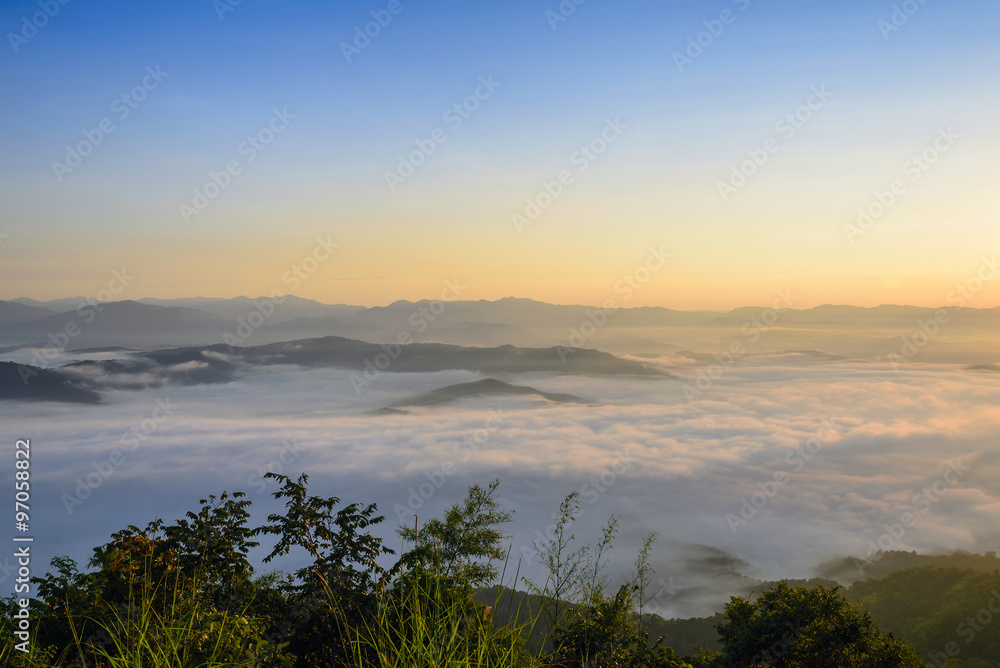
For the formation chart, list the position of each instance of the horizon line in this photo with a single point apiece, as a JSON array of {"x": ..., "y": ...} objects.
[{"x": 84, "y": 300}]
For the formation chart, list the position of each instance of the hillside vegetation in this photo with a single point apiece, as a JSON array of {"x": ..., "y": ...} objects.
[{"x": 185, "y": 594}]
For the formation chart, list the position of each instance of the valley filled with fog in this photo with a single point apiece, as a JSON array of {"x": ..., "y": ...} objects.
[{"x": 750, "y": 463}]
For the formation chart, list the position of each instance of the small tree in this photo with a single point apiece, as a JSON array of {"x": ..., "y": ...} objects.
[
  {"x": 214, "y": 542},
  {"x": 343, "y": 552},
  {"x": 464, "y": 548},
  {"x": 642, "y": 578},
  {"x": 429, "y": 617},
  {"x": 565, "y": 568},
  {"x": 345, "y": 570},
  {"x": 597, "y": 561}
]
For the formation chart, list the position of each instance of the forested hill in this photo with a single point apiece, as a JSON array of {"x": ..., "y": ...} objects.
[
  {"x": 927, "y": 600},
  {"x": 940, "y": 606}
]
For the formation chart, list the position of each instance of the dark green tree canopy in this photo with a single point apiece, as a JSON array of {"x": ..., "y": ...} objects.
[{"x": 798, "y": 627}]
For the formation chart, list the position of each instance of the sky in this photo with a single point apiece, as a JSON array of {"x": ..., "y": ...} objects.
[{"x": 209, "y": 148}]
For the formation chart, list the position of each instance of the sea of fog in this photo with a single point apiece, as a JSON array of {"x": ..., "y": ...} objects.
[{"x": 776, "y": 465}]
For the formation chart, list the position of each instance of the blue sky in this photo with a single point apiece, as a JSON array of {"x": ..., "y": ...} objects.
[{"x": 326, "y": 172}]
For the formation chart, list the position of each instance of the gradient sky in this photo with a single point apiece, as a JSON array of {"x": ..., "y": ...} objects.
[{"x": 656, "y": 185}]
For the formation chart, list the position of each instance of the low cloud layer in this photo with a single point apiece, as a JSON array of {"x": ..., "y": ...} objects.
[{"x": 783, "y": 462}]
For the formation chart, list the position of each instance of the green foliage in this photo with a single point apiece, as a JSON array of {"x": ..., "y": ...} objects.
[
  {"x": 430, "y": 616},
  {"x": 588, "y": 627},
  {"x": 153, "y": 627},
  {"x": 937, "y": 608},
  {"x": 564, "y": 567},
  {"x": 881, "y": 564},
  {"x": 206, "y": 552},
  {"x": 574, "y": 576},
  {"x": 337, "y": 591},
  {"x": 426, "y": 626},
  {"x": 606, "y": 633},
  {"x": 192, "y": 575},
  {"x": 183, "y": 634},
  {"x": 184, "y": 595},
  {"x": 465, "y": 547},
  {"x": 344, "y": 554},
  {"x": 796, "y": 627},
  {"x": 686, "y": 636},
  {"x": 214, "y": 543},
  {"x": 927, "y": 607},
  {"x": 643, "y": 578}
]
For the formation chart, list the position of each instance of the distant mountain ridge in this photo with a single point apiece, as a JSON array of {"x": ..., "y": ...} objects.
[
  {"x": 852, "y": 332},
  {"x": 127, "y": 323},
  {"x": 15, "y": 312}
]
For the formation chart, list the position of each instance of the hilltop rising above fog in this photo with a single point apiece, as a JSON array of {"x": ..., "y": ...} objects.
[{"x": 80, "y": 380}]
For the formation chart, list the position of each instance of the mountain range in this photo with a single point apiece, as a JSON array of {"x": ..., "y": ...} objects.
[{"x": 848, "y": 331}]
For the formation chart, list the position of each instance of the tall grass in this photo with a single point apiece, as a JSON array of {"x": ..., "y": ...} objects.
[
  {"x": 428, "y": 626},
  {"x": 154, "y": 629},
  {"x": 183, "y": 637},
  {"x": 425, "y": 623}
]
